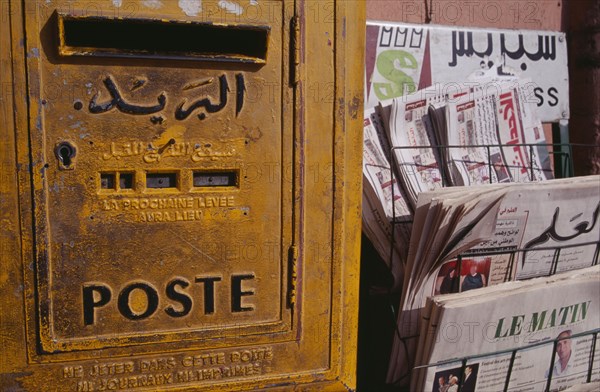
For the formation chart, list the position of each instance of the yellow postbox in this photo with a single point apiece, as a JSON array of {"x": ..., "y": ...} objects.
[{"x": 180, "y": 199}]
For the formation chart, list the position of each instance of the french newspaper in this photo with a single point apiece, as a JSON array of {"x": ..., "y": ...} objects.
[{"x": 526, "y": 336}]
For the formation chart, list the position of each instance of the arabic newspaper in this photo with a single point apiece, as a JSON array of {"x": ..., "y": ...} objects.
[
  {"x": 377, "y": 168},
  {"x": 512, "y": 113},
  {"x": 473, "y": 136},
  {"x": 487, "y": 132},
  {"x": 502, "y": 232},
  {"x": 554, "y": 225},
  {"x": 551, "y": 331},
  {"x": 410, "y": 135},
  {"x": 471, "y": 128},
  {"x": 449, "y": 225},
  {"x": 384, "y": 200}
]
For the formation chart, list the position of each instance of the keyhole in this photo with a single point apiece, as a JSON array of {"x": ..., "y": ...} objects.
[{"x": 65, "y": 152}]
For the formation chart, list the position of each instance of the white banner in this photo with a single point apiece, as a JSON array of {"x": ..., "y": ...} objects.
[{"x": 403, "y": 58}]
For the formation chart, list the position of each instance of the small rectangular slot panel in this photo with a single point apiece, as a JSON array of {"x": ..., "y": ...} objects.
[
  {"x": 155, "y": 38},
  {"x": 126, "y": 180},
  {"x": 204, "y": 179},
  {"x": 107, "y": 181},
  {"x": 161, "y": 180}
]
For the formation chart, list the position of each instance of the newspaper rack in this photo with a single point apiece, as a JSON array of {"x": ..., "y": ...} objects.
[
  {"x": 562, "y": 153},
  {"x": 553, "y": 270}
]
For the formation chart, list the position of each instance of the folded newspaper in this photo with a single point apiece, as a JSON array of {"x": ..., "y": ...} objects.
[
  {"x": 465, "y": 238},
  {"x": 411, "y": 135},
  {"x": 483, "y": 134},
  {"x": 496, "y": 135},
  {"x": 384, "y": 203},
  {"x": 534, "y": 335}
]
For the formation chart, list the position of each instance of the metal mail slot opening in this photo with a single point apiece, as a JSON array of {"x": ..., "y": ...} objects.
[
  {"x": 167, "y": 39},
  {"x": 216, "y": 179},
  {"x": 108, "y": 181},
  {"x": 161, "y": 180}
]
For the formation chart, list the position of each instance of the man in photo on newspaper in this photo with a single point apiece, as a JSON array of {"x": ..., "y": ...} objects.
[
  {"x": 449, "y": 283},
  {"x": 468, "y": 384},
  {"x": 562, "y": 367},
  {"x": 474, "y": 280},
  {"x": 453, "y": 387},
  {"x": 442, "y": 385}
]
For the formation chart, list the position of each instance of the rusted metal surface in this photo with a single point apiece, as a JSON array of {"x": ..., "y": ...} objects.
[{"x": 184, "y": 218}]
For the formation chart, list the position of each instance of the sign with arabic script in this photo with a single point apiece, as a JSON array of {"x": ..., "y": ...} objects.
[{"x": 403, "y": 58}]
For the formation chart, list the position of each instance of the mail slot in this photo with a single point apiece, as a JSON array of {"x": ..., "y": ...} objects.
[
  {"x": 118, "y": 37},
  {"x": 180, "y": 194}
]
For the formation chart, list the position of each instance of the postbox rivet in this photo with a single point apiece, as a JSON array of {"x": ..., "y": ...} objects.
[{"x": 78, "y": 105}]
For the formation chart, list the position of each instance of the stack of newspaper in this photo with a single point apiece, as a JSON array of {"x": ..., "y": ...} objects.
[
  {"x": 486, "y": 133},
  {"x": 384, "y": 203},
  {"x": 467, "y": 238},
  {"x": 532, "y": 335}
]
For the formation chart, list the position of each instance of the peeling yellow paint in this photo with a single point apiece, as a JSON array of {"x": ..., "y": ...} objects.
[
  {"x": 176, "y": 132},
  {"x": 200, "y": 230},
  {"x": 152, "y": 4}
]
